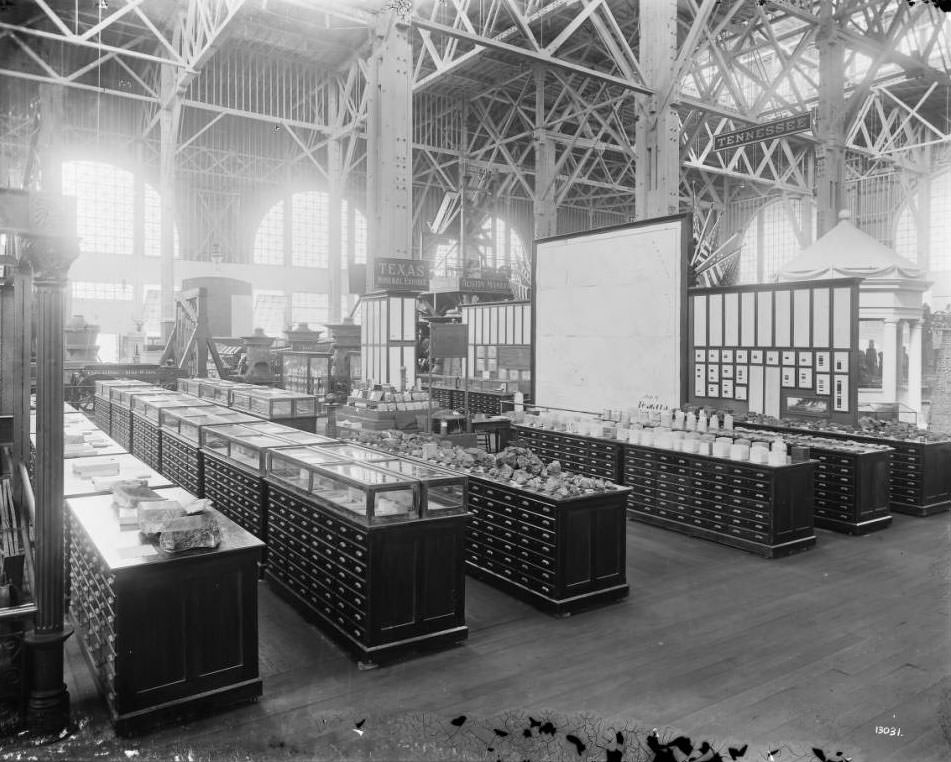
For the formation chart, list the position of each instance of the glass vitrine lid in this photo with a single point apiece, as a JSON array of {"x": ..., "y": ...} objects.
[
  {"x": 308, "y": 455},
  {"x": 415, "y": 470},
  {"x": 305, "y": 437},
  {"x": 363, "y": 473},
  {"x": 353, "y": 452}
]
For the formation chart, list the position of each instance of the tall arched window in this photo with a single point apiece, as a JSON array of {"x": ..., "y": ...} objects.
[
  {"x": 106, "y": 219},
  {"x": 297, "y": 230},
  {"x": 939, "y": 241},
  {"x": 105, "y": 206},
  {"x": 499, "y": 244},
  {"x": 773, "y": 238}
]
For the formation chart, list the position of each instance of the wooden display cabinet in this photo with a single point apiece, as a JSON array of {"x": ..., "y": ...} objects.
[
  {"x": 182, "y": 459},
  {"x": 357, "y": 549},
  {"x": 102, "y": 406},
  {"x": 120, "y": 428},
  {"x": 558, "y": 554},
  {"x": 578, "y": 454},
  {"x": 165, "y": 635},
  {"x": 296, "y": 410},
  {"x": 767, "y": 510},
  {"x": 919, "y": 475},
  {"x": 851, "y": 482},
  {"x": 146, "y": 424}
]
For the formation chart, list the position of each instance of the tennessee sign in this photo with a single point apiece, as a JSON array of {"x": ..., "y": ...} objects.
[
  {"x": 767, "y": 131},
  {"x": 401, "y": 274}
]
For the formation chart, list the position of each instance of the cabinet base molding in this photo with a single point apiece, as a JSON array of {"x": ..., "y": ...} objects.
[
  {"x": 920, "y": 510},
  {"x": 853, "y": 527}
]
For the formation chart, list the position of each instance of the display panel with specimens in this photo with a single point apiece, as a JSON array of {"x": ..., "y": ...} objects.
[
  {"x": 188, "y": 422},
  {"x": 289, "y": 466},
  {"x": 356, "y": 453},
  {"x": 151, "y": 407},
  {"x": 274, "y": 403},
  {"x": 239, "y": 444}
]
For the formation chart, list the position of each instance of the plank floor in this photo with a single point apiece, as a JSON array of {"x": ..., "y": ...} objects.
[{"x": 814, "y": 650}]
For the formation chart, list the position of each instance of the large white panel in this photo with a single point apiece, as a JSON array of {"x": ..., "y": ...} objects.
[
  {"x": 509, "y": 336},
  {"x": 608, "y": 310},
  {"x": 477, "y": 318},
  {"x": 748, "y": 319},
  {"x": 715, "y": 326},
  {"x": 731, "y": 319},
  {"x": 820, "y": 317},
  {"x": 842, "y": 317},
  {"x": 519, "y": 327},
  {"x": 783, "y": 317},
  {"x": 802, "y": 314},
  {"x": 699, "y": 320},
  {"x": 494, "y": 325},
  {"x": 396, "y": 361},
  {"x": 764, "y": 319}
]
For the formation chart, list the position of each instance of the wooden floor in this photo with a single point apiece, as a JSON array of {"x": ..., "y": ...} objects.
[{"x": 815, "y": 650}]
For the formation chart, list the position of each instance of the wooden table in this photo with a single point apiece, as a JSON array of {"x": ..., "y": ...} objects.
[{"x": 165, "y": 635}]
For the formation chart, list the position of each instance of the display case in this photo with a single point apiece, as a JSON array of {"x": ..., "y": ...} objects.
[
  {"x": 102, "y": 404},
  {"x": 189, "y": 385},
  {"x": 355, "y": 452},
  {"x": 919, "y": 476},
  {"x": 488, "y": 396},
  {"x": 165, "y": 635},
  {"x": 182, "y": 459},
  {"x": 348, "y": 548},
  {"x": 851, "y": 481},
  {"x": 306, "y": 372},
  {"x": 590, "y": 456},
  {"x": 296, "y": 410},
  {"x": 560, "y": 555},
  {"x": 120, "y": 428},
  {"x": 443, "y": 491},
  {"x": 767, "y": 510},
  {"x": 146, "y": 424}
]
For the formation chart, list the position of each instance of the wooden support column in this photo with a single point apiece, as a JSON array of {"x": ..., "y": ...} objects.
[
  {"x": 16, "y": 322},
  {"x": 545, "y": 206},
  {"x": 830, "y": 122},
  {"x": 389, "y": 136},
  {"x": 49, "y": 257},
  {"x": 657, "y": 133},
  {"x": 169, "y": 121}
]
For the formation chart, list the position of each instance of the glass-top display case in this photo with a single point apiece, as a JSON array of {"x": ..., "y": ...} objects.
[
  {"x": 240, "y": 444},
  {"x": 188, "y": 385},
  {"x": 364, "y": 492},
  {"x": 189, "y": 426},
  {"x": 122, "y": 395},
  {"x": 348, "y": 451},
  {"x": 104, "y": 385},
  {"x": 274, "y": 403},
  {"x": 289, "y": 465},
  {"x": 444, "y": 492},
  {"x": 298, "y": 437},
  {"x": 151, "y": 407}
]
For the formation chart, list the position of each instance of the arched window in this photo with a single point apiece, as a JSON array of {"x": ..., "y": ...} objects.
[
  {"x": 773, "y": 238},
  {"x": 499, "y": 244},
  {"x": 297, "y": 230},
  {"x": 105, "y": 206},
  {"x": 106, "y": 219}
]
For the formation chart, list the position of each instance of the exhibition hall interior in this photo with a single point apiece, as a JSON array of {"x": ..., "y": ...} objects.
[{"x": 491, "y": 380}]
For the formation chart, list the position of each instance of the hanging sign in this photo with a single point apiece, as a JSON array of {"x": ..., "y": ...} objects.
[
  {"x": 489, "y": 284},
  {"x": 767, "y": 131},
  {"x": 401, "y": 274}
]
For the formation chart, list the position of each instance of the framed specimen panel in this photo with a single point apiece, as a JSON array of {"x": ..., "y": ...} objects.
[{"x": 783, "y": 349}]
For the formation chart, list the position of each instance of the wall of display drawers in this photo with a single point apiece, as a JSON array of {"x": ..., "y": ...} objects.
[
  {"x": 238, "y": 493},
  {"x": 121, "y": 426},
  {"x": 102, "y": 413},
  {"x": 166, "y": 635},
  {"x": 479, "y": 402},
  {"x": 577, "y": 454},
  {"x": 765, "y": 510},
  {"x": 919, "y": 477},
  {"x": 183, "y": 463},
  {"x": 146, "y": 441},
  {"x": 558, "y": 554},
  {"x": 381, "y": 589}
]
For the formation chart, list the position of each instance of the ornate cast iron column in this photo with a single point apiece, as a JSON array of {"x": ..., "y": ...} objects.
[{"x": 48, "y": 705}]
